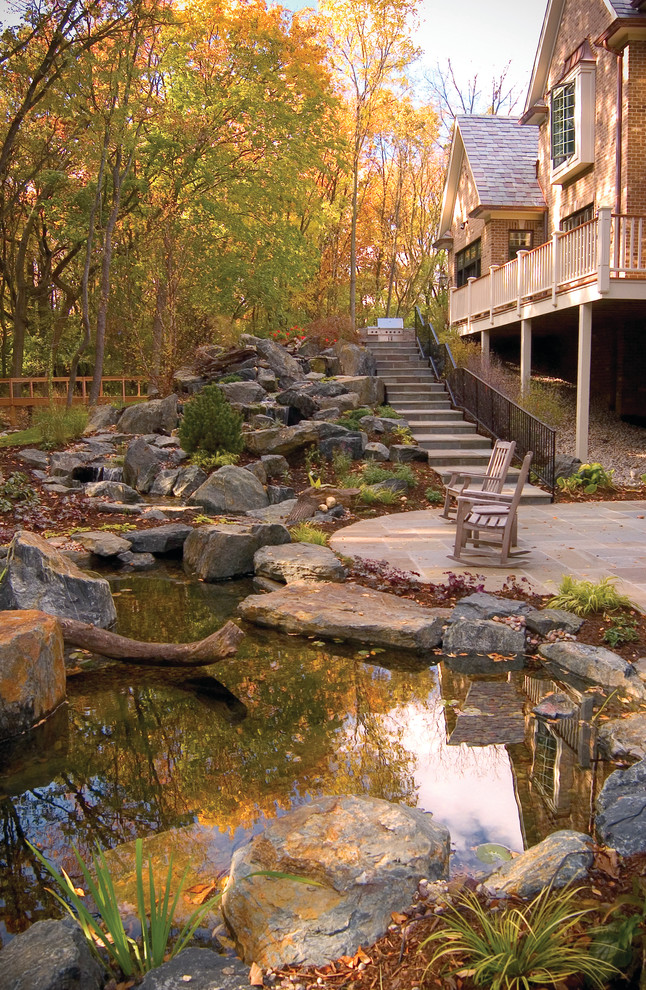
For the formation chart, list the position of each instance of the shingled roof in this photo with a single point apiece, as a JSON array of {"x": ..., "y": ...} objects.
[
  {"x": 502, "y": 156},
  {"x": 625, "y": 8}
]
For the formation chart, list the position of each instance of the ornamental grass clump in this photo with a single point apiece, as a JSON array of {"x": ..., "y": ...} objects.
[
  {"x": 104, "y": 927},
  {"x": 307, "y": 533},
  {"x": 541, "y": 944},
  {"x": 211, "y": 424},
  {"x": 586, "y": 597}
]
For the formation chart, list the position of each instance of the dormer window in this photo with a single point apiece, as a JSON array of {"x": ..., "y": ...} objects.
[
  {"x": 572, "y": 111},
  {"x": 563, "y": 143}
]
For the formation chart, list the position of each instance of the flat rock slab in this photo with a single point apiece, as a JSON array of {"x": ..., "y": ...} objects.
[
  {"x": 596, "y": 665},
  {"x": 366, "y": 857},
  {"x": 621, "y": 810},
  {"x": 348, "y": 612},
  {"x": 198, "y": 969},
  {"x": 563, "y": 857},
  {"x": 298, "y": 562},
  {"x": 624, "y": 737}
]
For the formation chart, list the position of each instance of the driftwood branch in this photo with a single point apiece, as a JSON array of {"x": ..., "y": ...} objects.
[{"x": 219, "y": 645}]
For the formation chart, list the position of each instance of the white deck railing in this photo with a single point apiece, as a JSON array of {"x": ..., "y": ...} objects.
[{"x": 608, "y": 246}]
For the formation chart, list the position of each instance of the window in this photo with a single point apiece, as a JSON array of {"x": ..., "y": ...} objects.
[
  {"x": 563, "y": 141},
  {"x": 576, "y": 219},
  {"x": 572, "y": 120},
  {"x": 467, "y": 263},
  {"x": 520, "y": 240}
]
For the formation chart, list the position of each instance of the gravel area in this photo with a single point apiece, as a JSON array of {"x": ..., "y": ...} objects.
[{"x": 614, "y": 444}]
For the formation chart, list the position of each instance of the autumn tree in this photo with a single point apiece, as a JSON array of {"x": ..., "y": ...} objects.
[{"x": 371, "y": 49}]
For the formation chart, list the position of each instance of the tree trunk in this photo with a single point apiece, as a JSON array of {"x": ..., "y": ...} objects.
[{"x": 219, "y": 645}]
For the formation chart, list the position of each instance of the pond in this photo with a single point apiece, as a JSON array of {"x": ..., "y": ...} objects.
[{"x": 203, "y": 760}]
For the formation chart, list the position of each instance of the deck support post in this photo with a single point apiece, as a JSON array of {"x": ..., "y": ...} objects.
[
  {"x": 583, "y": 381},
  {"x": 484, "y": 346},
  {"x": 525, "y": 355}
]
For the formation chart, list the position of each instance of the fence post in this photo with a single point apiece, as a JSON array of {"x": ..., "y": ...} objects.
[
  {"x": 556, "y": 263},
  {"x": 451, "y": 291},
  {"x": 603, "y": 249},
  {"x": 470, "y": 282},
  {"x": 492, "y": 269},
  {"x": 520, "y": 280}
]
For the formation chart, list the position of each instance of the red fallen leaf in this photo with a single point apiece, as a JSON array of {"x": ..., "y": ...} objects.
[{"x": 398, "y": 918}]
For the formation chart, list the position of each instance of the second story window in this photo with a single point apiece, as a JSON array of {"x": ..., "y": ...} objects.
[
  {"x": 520, "y": 240},
  {"x": 563, "y": 127},
  {"x": 467, "y": 263}
]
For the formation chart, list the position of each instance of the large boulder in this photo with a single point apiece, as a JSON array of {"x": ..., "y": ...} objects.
[
  {"x": 348, "y": 612},
  {"x": 287, "y": 439},
  {"x": 51, "y": 955},
  {"x": 32, "y": 670},
  {"x": 298, "y": 562},
  {"x": 188, "y": 480},
  {"x": 625, "y": 737},
  {"x": 371, "y": 390},
  {"x": 161, "y": 539},
  {"x": 596, "y": 665},
  {"x": 141, "y": 464},
  {"x": 563, "y": 857},
  {"x": 39, "y": 577},
  {"x": 366, "y": 857},
  {"x": 230, "y": 489},
  {"x": 226, "y": 550},
  {"x": 621, "y": 810},
  {"x": 355, "y": 360},
  {"x": 154, "y": 416},
  {"x": 114, "y": 490},
  {"x": 481, "y": 605},
  {"x": 483, "y": 636},
  {"x": 279, "y": 360},
  {"x": 244, "y": 393},
  {"x": 102, "y": 418},
  {"x": 298, "y": 400}
]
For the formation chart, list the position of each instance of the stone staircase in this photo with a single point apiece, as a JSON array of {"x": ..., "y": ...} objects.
[{"x": 452, "y": 443}]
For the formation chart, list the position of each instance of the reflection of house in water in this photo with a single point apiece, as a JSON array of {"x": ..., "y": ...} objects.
[{"x": 554, "y": 780}]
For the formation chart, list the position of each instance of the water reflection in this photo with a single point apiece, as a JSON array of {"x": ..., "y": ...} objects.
[{"x": 201, "y": 761}]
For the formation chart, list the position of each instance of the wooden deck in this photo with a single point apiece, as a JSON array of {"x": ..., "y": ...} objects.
[{"x": 26, "y": 392}]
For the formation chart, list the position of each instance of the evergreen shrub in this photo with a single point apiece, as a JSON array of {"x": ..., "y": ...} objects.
[{"x": 211, "y": 424}]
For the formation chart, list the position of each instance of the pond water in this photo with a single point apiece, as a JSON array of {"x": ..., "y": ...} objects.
[{"x": 198, "y": 762}]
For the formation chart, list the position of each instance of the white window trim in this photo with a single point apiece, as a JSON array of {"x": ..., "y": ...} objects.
[{"x": 583, "y": 77}]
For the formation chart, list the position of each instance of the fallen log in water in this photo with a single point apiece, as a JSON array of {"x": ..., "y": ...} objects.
[{"x": 215, "y": 647}]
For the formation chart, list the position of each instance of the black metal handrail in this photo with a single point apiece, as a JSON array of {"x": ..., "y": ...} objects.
[{"x": 495, "y": 414}]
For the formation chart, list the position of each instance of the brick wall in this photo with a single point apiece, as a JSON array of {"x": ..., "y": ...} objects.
[
  {"x": 583, "y": 20},
  {"x": 634, "y": 130}
]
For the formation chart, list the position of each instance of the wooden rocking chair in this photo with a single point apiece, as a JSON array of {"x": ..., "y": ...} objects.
[
  {"x": 490, "y": 526},
  {"x": 490, "y": 482}
]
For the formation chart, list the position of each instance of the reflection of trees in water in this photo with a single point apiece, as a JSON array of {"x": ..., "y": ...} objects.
[
  {"x": 145, "y": 757},
  {"x": 22, "y": 882}
]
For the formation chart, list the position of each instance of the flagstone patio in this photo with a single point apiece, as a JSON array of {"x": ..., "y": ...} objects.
[{"x": 589, "y": 540}]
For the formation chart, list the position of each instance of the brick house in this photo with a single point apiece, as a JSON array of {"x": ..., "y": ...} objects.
[{"x": 546, "y": 232}]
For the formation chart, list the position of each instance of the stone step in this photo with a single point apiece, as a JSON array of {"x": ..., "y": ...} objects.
[
  {"x": 454, "y": 441},
  {"x": 413, "y": 380},
  {"x": 429, "y": 428},
  {"x": 418, "y": 417},
  {"x": 415, "y": 392},
  {"x": 475, "y": 458}
]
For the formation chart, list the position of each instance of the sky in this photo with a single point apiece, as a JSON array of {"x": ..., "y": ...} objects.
[{"x": 479, "y": 36}]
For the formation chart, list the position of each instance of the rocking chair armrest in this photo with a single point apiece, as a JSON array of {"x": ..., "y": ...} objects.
[
  {"x": 476, "y": 495},
  {"x": 452, "y": 483}
]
